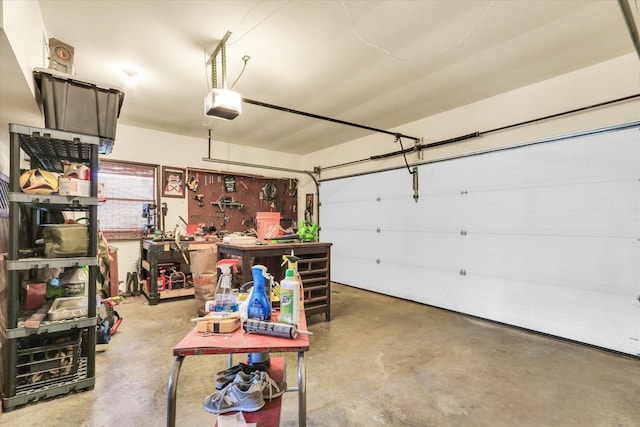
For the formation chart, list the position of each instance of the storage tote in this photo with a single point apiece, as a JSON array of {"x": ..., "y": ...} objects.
[
  {"x": 47, "y": 359},
  {"x": 74, "y": 105},
  {"x": 66, "y": 240}
]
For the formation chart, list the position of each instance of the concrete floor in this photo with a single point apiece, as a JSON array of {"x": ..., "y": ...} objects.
[{"x": 380, "y": 361}]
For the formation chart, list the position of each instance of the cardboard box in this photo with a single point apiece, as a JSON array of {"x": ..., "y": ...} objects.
[
  {"x": 219, "y": 326},
  {"x": 73, "y": 187}
]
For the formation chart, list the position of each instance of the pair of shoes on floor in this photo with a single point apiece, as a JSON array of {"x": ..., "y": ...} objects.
[
  {"x": 270, "y": 387},
  {"x": 247, "y": 392},
  {"x": 245, "y": 397},
  {"x": 228, "y": 375}
]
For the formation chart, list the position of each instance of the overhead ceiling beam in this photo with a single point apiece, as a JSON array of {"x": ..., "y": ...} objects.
[
  {"x": 329, "y": 119},
  {"x": 631, "y": 25},
  {"x": 218, "y": 47}
]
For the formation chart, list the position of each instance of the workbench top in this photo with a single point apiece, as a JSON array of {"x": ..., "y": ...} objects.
[{"x": 194, "y": 343}]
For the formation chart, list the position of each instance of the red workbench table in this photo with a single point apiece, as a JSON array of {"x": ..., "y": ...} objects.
[{"x": 195, "y": 344}]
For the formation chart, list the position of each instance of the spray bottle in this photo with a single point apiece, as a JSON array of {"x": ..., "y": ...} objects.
[
  {"x": 259, "y": 306},
  {"x": 225, "y": 298},
  {"x": 289, "y": 298},
  {"x": 292, "y": 263}
]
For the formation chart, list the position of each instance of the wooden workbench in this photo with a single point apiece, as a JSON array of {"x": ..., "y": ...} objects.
[
  {"x": 314, "y": 268},
  {"x": 151, "y": 253}
]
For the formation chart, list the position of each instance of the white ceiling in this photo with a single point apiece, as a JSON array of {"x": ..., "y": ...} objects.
[{"x": 376, "y": 63}]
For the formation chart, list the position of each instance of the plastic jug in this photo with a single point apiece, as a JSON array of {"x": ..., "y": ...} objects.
[
  {"x": 259, "y": 306},
  {"x": 292, "y": 263},
  {"x": 289, "y": 298}
]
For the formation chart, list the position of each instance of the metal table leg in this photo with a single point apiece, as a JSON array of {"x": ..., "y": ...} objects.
[
  {"x": 172, "y": 390},
  {"x": 302, "y": 391}
]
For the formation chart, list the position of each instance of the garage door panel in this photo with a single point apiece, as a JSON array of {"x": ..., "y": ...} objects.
[
  {"x": 574, "y": 161},
  {"x": 389, "y": 254},
  {"x": 432, "y": 251},
  {"x": 425, "y": 216},
  {"x": 395, "y": 206},
  {"x": 544, "y": 237},
  {"x": 348, "y": 191},
  {"x": 542, "y": 308},
  {"x": 574, "y": 263},
  {"x": 586, "y": 209},
  {"x": 353, "y": 243},
  {"x": 427, "y": 284},
  {"x": 361, "y": 215}
]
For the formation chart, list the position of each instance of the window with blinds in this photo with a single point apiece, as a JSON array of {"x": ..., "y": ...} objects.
[{"x": 127, "y": 187}]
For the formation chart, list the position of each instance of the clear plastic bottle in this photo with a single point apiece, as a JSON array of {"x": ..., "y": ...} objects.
[
  {"x": 225, "y": 298},
  {"x": 289, "y": 298}
]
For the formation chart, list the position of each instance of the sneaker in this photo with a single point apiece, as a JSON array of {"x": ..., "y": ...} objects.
[
  {"x": 225, "y": 377},
  {"x": 270, "y": 387},
  {"x": 245, "y": 397}
]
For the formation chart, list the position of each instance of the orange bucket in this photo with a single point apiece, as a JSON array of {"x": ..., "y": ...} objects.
[{"x": 268, "y": 225}]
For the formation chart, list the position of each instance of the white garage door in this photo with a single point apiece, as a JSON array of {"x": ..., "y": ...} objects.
[{"x": 544, "y": 237}]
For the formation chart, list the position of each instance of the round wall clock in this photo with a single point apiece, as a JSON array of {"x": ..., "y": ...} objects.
[{"x": 61, "y": 52}]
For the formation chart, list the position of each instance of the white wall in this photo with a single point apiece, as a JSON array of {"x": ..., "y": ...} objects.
[
  {"x": 22, "y": 47},
  {"x": 23, "y": 26}
]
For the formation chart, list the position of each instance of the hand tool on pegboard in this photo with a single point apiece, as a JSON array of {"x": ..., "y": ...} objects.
[
  {"x": 270, "y": 191},
  {"x": 193, "y": 183},
  {"x": 164, "y": 210},
  {"x": 292, "y": 187},
  {"x": 230, "y": 183},
  {"x": 182, "y": 247}
]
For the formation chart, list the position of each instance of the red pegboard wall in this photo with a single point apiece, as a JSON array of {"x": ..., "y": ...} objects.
[{"x": 230, "y": 201}]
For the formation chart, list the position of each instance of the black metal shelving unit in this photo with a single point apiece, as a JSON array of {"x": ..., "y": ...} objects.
[{"x": 31, "y": 351}]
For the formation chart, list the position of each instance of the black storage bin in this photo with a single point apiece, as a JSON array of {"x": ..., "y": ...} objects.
[
  {"x": 73, "y": 105},
  {"x": 47, "y": 359}
]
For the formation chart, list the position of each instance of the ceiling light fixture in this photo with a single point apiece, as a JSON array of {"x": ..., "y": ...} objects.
[
  {"x": 221, "y": 102},
  {"x": 130, "y": 76}
]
